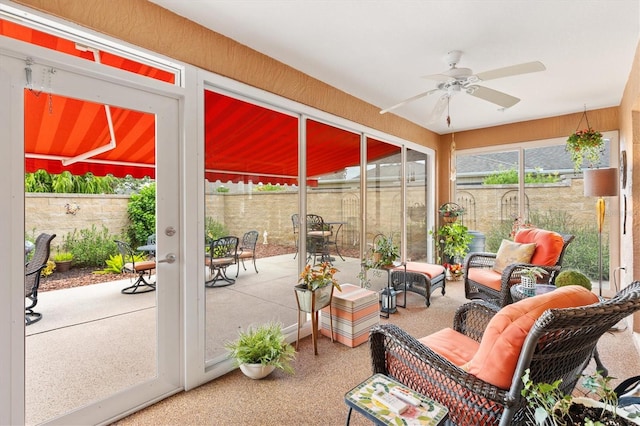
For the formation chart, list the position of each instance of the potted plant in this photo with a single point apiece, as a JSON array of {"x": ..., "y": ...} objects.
[
  {"x": 385, "y": 252},
  {"x": 529, "y": 276},
  {"x": 450, "y": 212},
  {"x": 586, "y": 144},
  {"x": 454, "y": 239},
  {"x": 260, "y": 350},
  {"x": 454, "y": 271},
  {"x": 315, "y": 287},
  {"x": 63, "y": 260},
  {"x": 552, "y": 407}
]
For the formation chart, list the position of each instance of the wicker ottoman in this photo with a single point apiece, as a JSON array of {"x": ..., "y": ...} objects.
[
  {"x": 420, "y": 278},
  {"x": 355, "y": 311}
]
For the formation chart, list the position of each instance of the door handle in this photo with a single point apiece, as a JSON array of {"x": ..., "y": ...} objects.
[{"x": 169, "y": 258}]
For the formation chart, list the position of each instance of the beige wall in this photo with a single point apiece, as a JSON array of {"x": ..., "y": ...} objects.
[{"x": 62, "y": 213}]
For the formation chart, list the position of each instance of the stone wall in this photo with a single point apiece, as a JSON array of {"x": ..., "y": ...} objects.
[
  {"x": 271, "y": 211},
  {"x": 62, "y": 213}
]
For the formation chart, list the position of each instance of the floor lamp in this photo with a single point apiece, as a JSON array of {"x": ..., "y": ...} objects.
[{"x": 600, "y": 183}]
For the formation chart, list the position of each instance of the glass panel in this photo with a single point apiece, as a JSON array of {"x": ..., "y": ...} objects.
[
  {"x": 487, "y": 190},
  {"x": 416, "y": 171},
  {"x": 91, "y": 341},
  {"x": 384, "y": 198},
  {"x": 557, "y": 202},
  {"x": 333, "y": 193},
  {"x": 251, "y": 169},
  {"x": 553, "y": 199}
]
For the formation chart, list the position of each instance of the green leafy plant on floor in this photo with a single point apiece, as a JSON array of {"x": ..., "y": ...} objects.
[
  {"x": 453, "y": 240},
  {"x": 48, "y": 270},
  {"x": 552, "y": 407},
  {"x": 264, "y": 345}
]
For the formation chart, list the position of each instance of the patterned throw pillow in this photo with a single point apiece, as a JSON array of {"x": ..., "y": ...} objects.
[{"x": 510, "y": 252}]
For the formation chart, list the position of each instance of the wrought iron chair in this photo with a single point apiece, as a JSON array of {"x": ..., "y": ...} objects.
[
  {"x": 222, "y": 254},
  {"x": 32, "y": 276},
  {"x": 247, "y": 250},
  {"x": 135, "y": 266},
  {"x": 558, "y": 345},
  {"x": 317, "y": 239},
  {"x": 482, "y": 281}
]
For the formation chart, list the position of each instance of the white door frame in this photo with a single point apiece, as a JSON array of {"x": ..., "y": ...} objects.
[{"x": 83, "y": 79}]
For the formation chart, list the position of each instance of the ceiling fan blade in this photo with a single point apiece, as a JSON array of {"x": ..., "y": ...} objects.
[
  {"x": 512, "y": 70},
  {"x": 438, "y": 109},
  {"x": 437, "y": 77},
  {"x": 406, "y": 101},
  {"x": 493, "y": 96}
]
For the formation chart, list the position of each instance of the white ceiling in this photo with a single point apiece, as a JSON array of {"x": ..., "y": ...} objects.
[{"x": 377, "y": 50}]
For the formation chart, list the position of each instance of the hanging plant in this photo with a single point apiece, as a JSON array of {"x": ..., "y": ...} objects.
[{"x": 585, "y": 145}]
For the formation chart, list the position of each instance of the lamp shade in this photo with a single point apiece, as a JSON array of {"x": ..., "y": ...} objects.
[{"x": 601, "y": 182}]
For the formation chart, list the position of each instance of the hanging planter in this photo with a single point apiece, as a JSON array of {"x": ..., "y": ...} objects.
[{"x": 585, "y": 145}]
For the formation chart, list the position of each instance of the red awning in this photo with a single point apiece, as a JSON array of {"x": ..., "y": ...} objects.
[{"x": 243, "y": 141}]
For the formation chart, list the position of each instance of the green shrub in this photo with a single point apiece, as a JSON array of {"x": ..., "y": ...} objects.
[
  {"x": 142, "y": 214},
  {"x": 572, "y": 277},
  {"x": 582, "y": 252},
  {"x": 510, "y": 176},
  {"x": 90, "y": 247},
  {"x": 214, "y": 229}
]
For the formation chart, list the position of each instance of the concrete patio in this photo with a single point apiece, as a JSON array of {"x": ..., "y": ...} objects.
[{"x": 93, "y": 341}]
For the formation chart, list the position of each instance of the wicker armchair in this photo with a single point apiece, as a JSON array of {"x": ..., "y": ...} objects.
[
  {"x": 481, "y": 281},
  {"x": 558, "y": 346}
]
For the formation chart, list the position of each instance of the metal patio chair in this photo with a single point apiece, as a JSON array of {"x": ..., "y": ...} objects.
[{"x": 32, "y": 276}]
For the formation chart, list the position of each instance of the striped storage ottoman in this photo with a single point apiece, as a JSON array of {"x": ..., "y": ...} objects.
[{"x": 355, "y": 311}]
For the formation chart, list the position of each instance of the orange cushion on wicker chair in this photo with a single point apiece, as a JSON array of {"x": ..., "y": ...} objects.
[
  {"x": 549, "y": 245},
  {"x": 454, "y": 346},
  {"x": 498, "y": 353}
]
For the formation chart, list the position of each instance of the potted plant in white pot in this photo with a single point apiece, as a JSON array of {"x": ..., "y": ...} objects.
[
  {"x": 260, "y": 350},
  {"x": 529, "y": 277},
  {"x": 315, "y": 287}
]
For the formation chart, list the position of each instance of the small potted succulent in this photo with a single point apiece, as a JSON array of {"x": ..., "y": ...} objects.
[
  {"x": 529, "y": 277},
  {"x": 260, "y": 350}
]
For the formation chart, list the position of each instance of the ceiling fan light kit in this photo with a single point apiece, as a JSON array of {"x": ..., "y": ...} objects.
[{"x": 456, "y": 80}]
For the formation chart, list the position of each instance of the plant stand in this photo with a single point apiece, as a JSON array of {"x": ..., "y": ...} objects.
[{"x": 311, "y": 302}]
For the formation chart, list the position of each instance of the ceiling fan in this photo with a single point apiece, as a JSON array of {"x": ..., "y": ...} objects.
[{"x": 456, "y": 80}]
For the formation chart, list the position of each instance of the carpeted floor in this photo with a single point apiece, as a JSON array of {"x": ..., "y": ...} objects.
[{"x": 314, "y": 395}]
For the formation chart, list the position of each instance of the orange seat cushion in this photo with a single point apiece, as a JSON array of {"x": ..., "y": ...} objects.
[
  {"x": 429, "y": 269},
  {"x": 498, "y": 352},
  {"x": 548, "y": 245},
  {"x": 485, "y": 276},
  {"x": 454, "y": 346}
]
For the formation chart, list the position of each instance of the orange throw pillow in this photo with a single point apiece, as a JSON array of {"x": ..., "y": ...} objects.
[
  {"x": 548, "y": 245},
  {"x": 498, "y": 353}
]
